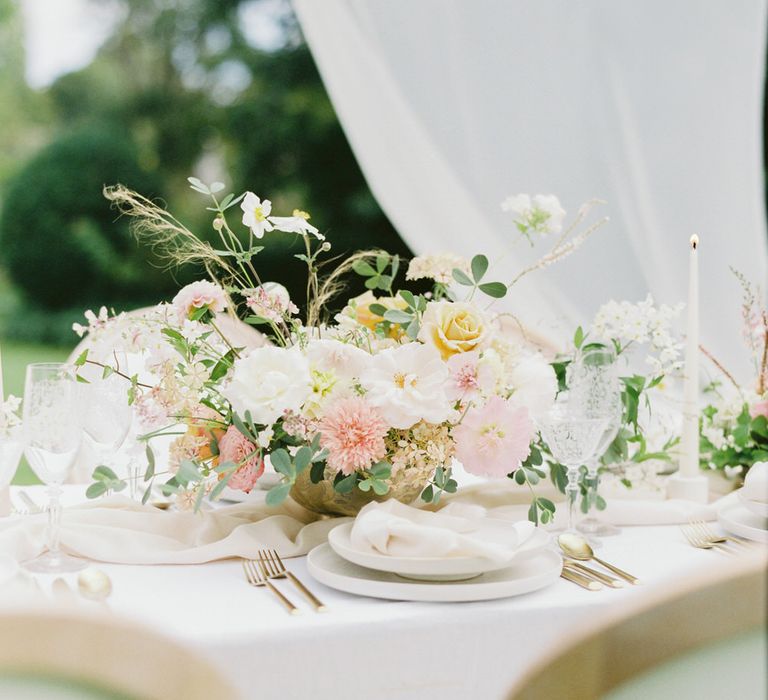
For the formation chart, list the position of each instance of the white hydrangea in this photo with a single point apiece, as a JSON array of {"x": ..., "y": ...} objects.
[{"x": 436, "y": 267}]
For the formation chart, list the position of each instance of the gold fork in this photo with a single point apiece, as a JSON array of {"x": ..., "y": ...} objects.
[
  {"x": 274, "y": 568},
  {"x": 256, "y": 576},
  {"x": 697, "y": 541},
  {"x": 706, "y": 533}
]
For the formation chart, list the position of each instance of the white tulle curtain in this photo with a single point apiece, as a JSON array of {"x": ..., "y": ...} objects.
[{"x": 653, "y": 106}]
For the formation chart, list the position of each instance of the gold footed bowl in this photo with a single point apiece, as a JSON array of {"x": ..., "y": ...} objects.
[{"x": 322, "y": 499}]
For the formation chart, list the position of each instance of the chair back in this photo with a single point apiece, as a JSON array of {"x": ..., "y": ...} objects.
[
  {"x": 722, "y": 608},
  {"x": 61, "y": 654}
]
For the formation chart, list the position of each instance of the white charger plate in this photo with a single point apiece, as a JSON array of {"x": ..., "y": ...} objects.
[
  {"x": 738, "y": 520},
  {"x": 431, "y": 568},
  {"x": 522, "y": 577},
  {"x": 757, "y": 507}
]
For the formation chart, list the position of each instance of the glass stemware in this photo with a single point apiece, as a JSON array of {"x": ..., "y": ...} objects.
[
  {"x": 52, "y": 440},
  {"x": 572, "y": 439},
  {"x": 595, "y": 386}
]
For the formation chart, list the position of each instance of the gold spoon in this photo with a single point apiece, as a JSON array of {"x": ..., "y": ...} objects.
[
  {"x": 94, "y": 585},
  {"x": 578, "y": 548}
]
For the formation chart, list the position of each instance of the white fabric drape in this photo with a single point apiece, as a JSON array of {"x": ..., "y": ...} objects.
[{"x": 654, "y": 106}]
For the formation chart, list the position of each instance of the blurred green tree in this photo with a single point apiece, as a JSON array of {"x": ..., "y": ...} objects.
[
  {"x": 59, "y": 237},
  {"x": 191, "y": 87}
]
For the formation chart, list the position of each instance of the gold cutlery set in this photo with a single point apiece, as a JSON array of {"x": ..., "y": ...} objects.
[
  {"x": 268, "y": 567},
  {"x": 701, "y": 536},
  {"x": 576, "y": 550}
]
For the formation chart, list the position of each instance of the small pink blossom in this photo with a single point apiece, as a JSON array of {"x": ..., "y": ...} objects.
[
  {"x": 353, "y": 433},
  {"x": 271, "y": 301},
  {"x": 235, "y": 447},
  {"x": 494, "y": 439},
  {"x": 199, "y": 295},
  {"x": 759, "y": 408},
  {"x": 469, "y": 377}
]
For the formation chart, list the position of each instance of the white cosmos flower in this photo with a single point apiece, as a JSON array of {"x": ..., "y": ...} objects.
[
  {"x": 540, "y": 214},
  {"x": 535, "y": 385},
  {"x": 255, "y": 213},
  {"x": 267, "y": 382},
  {"x": 407, "y": 384},
  {"x": 345, "y": 360},
  {"x": 298, "y": 223}
]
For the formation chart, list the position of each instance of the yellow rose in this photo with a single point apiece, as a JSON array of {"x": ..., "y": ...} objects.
[
  {"x": 454, "y": 327},
  {"x": 365, "y": 317}
]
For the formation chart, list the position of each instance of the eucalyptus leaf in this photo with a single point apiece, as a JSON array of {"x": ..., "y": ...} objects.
[
  {"x": 361, "y": 267},
  {"x": 497, "y": 290},
  {"x": 277, "y": 494},
  {"x": 398, "y": 316},
  {"x": 479, "y": 267},
  {"x": 96, "y": 489},
  {"x": 462, "y": 278}
]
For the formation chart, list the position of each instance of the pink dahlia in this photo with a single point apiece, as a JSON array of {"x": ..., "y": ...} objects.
[
  {"x": 353, "y": 433},
  {"x": 198, "y": 295},
  {"x": 235, "y": 447},
  {"x": 494, "y": 439}
]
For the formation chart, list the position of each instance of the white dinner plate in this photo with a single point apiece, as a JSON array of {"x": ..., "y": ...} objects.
[
  {"x": 757, "y": 507},
  {"x": 524, "y": 576},
  {"x": 738, "y": 520},
  {"x": 431, "y": 568}
]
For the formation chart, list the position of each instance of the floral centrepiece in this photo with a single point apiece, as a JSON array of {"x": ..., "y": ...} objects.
[{"x": 374, "y": 401}]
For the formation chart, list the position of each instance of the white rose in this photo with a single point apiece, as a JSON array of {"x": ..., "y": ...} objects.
[
  {"x": 267, "y": 382},
  {"x": 534, "y": 385}
]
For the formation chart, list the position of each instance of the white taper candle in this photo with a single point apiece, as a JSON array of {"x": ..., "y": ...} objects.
[{"x": 689, "y": 444}]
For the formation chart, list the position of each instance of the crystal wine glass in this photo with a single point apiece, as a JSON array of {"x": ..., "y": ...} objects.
[
  {"x": 594, "y": 384},
  {"x": 52, "y": 439},
  {"x": 572, "y": 439}
]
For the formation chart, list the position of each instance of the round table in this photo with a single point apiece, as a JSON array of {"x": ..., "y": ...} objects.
[{"x": 369, "y": 648}]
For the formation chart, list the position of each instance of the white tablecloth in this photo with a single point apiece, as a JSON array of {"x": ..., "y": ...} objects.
[{"x": 369, "y": 648}]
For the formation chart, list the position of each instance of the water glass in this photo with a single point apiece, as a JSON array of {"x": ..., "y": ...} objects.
[
  {"x": 52, "y": 440},
  {"x": 595, "y": 386},
  {"x": 572, "y": 439}
]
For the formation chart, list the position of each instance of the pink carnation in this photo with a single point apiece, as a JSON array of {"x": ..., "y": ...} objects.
[
  {"x": 493, "y": 440},
  {"x": 198, "y": 295},
  {"x": 235, "y": 447},
  {"x": 353, "y": 433},
  {"x": 759, "y": 408}
]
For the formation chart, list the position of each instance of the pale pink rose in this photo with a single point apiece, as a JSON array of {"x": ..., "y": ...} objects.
[
  {"x": 198, "y": 295},
  {"x": 469, "y": 377},
  {"x": 494, "y": 439},
  {"x": 235, "y": 447},
  {"x": 759, "y": 408},
  {"x": 353, "y": 432}
]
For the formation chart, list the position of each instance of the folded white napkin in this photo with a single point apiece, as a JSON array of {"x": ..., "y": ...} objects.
[
  {"x": 458, "y": 530},
  {"x": 119, "y": 530},
  {"x": 756, "y": 483}
]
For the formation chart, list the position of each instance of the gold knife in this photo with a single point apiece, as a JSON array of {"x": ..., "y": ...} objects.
[
  {"x": 580, "y": 580},
  {"x": 593, "y": 573}
]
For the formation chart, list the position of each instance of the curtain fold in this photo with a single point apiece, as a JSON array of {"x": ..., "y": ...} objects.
[{"x": 655, "y": 107}]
